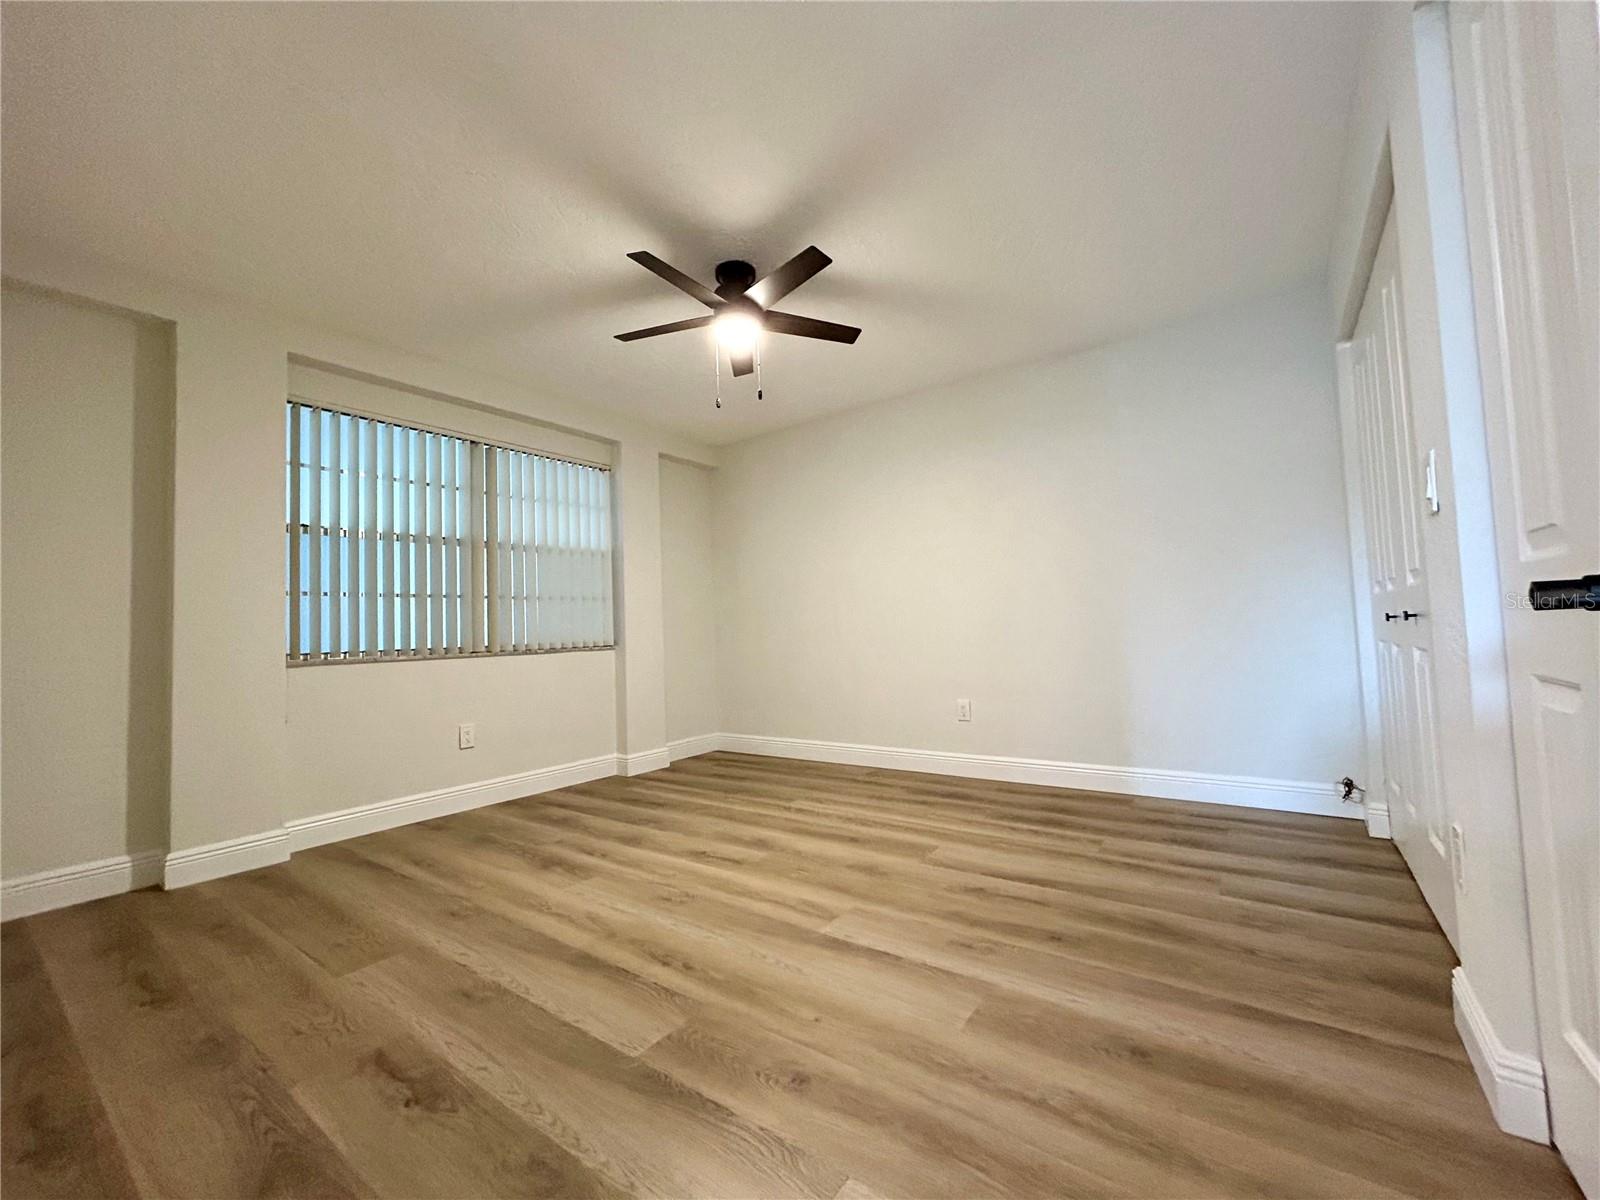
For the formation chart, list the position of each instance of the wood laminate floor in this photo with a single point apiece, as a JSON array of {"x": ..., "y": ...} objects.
[{"x": 748, "y": 977}]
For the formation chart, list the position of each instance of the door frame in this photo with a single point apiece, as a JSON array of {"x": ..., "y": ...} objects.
[
  {"x": 1418, "y": 174},
  {"x": 1441, "y": 348},
  {"x": 1374, "y": 803},
  {"x": 1503, "y": 198}
]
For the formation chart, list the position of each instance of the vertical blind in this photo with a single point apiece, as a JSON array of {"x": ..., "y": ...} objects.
[{"x": 408, "y": 543}]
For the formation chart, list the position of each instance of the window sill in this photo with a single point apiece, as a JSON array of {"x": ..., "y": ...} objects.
[{"x": 358, "y": 660}]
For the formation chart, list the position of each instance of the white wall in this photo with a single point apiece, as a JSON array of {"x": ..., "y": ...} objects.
[
  {"x": 241, "y": 734},
  {"x": 690, "y": 600},
  {"x": 87, "y": 582},
  {"x": 1402, "y": 140},
  {"x": 365, "y": 733},
  {"x": 1134, "y": 556}
]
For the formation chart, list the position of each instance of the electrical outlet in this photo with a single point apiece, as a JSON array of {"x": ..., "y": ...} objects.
[
  {"x": 963, "y": 710},
  {"x": 466, "y": 737},
  {"x": 1458, "y": 854}
]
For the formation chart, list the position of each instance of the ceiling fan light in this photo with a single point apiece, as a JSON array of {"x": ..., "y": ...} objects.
[{"x": 736, "y": 332}]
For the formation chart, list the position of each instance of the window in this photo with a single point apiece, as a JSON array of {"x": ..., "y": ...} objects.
[{"x": 410, "y": 543}]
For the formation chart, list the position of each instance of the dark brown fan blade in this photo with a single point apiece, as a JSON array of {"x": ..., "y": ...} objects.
[
  {"x": 677, "y": 278},
  {"x": 743, "y": 364},
  {"x": 782, "y": 322},
  {"x": 675, "y": 327},
  {"x": 785, "y": 279}
]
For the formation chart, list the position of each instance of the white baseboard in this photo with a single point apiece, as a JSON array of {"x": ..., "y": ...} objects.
[
  {"x": 424, "y": 806},
  {"x": 1245, "y": 791},
  {"x": 1377, "y": 819},
  {"x": 1513, "y": 1082},
  {"x": 645, "y": 761},
  {"x": 41, "y": 892},
  {"x": 689, "y": 747},
  {"x": 112, "y": 876},
  {"x": 108, "y": 877},
  {"x": 200, "y": 863}
]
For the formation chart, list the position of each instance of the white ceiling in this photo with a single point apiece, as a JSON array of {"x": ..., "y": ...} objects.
[{"x": 996, "y": 183}]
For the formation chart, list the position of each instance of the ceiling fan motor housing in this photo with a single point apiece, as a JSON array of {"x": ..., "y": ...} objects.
[{"x": 734, "y": 278}]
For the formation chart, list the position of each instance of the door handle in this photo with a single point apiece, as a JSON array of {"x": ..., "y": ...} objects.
[
  {"x": 1404, "y": 614},
  {"x": 1551, "y": 594}
]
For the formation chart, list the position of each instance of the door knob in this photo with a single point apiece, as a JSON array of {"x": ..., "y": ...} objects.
[{"x": 1550, "y": 594}]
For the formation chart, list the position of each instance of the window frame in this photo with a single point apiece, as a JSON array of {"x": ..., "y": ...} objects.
[{"x": 459, "y": 540}]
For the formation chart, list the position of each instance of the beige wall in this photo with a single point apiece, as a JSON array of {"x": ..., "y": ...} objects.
[
  {"x": 87, "y": 435},
  {"x": 689, "y": 600},
  {"x": 1133, "y": 557}
]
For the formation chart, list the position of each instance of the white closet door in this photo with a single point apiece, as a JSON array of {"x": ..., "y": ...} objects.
[
  {"x": 1527, "y": 77},
  {"x": 1393, "y": 500}
]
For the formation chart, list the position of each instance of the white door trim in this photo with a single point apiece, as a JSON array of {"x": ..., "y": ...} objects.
[
  {"x": 1374, "y": 804},
  {"x": 1525, "y": 79}
]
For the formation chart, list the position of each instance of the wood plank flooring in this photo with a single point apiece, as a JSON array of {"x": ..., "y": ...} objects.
[{"x": 749, "y": 977}]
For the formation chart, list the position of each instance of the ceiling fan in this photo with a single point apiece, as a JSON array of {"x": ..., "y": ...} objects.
[{"x": 741, "y": 305}]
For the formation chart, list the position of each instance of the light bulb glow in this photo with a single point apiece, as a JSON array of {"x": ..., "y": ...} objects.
[{"x": 736, "y": 332}]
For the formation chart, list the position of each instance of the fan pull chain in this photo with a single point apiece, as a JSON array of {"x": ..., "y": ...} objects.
[
  {"x": 758, "y": 368},
  {"x": 716, "y": 365}
]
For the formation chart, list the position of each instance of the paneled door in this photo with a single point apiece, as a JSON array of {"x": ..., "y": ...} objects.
[
  {"x": 1527, "y": 78},
  {"x": 1394, "y": 494}
]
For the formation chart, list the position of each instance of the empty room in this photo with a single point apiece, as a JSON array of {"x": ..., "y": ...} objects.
[{"x": 840, "y": 600}]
